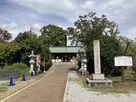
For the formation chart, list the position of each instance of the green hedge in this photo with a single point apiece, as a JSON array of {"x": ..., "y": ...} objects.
[
  {"x": 48, "y": 64},
  {"x": 18, "y": 66}
]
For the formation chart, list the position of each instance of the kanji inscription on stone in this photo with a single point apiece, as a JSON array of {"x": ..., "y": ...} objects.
[{"x": 97, "y": 62}]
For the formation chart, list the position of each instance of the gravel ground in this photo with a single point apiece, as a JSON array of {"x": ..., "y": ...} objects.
[{"x": 76, "y": 93}]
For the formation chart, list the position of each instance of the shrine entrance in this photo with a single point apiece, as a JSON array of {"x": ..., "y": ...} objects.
[{"x": 64, "y": 54}]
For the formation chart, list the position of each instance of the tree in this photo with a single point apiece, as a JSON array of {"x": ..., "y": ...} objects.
[
  {"x": 29, "y": 41},
  {"x": 88, "y": 28},
  {"x": 127, "y": 45},
  {"x": 4, "y": 35},
  {"x": 7, "y": 52},
  {"x": 129, "y": 48},
  {"x": 110, "y": 47},
  {"x": 53, "y": 35}
]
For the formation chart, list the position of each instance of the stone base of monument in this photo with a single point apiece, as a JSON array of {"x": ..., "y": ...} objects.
[
  {"x": 98, "y": 76},
  {"x": 99, "y": 82}
]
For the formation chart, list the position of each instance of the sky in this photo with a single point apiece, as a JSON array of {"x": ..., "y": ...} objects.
[{"x": 20, "y": 15}]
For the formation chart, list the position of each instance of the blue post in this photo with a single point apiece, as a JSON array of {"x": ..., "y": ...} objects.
[
  {"x": 23, "y": 77},
  {"x": 11, "y": 81},
  {"x": 31, "y": 74}
]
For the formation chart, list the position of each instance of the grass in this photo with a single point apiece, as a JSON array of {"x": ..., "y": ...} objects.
[
  {"x": 37, "y": 77},
  {"x": 126, "y": 87},
  {"x": 3, "y": 87}
]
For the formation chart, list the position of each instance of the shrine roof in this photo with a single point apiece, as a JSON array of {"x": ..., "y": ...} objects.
[{"x": 66, "y": 49}]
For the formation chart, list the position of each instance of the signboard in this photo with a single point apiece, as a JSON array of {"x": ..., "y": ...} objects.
[{"x": 123, "y": 61}]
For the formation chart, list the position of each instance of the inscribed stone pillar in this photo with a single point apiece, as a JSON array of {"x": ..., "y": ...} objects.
[{"x": 97, "y": 62}]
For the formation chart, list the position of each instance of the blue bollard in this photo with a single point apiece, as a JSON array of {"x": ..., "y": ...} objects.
[
  {"x": 31, "y": 74},
  {"x": 11, "y": 81},
  {"x": 23, "y": 77}
]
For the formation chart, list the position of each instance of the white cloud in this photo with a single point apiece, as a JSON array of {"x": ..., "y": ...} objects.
[
  {"x": 47, "y": 6},
  {"x": 130, "y": 33},
  {"x": 37, "y": 13},
  {"x": 37, "y": 25},
  {"x": 36, "y": 28},
  {"x": 10, "y": 26}
]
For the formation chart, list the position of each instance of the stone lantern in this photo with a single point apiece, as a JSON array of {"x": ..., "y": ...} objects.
[
  {"x": 32, "y": 62},
  {"x": 82, "y": 54}
]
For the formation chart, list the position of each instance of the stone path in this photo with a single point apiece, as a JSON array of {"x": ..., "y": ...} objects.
[{"x": 49, "y": 89}]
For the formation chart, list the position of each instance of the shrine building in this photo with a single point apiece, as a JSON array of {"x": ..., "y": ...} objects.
[{"x": 64, "y": 54}]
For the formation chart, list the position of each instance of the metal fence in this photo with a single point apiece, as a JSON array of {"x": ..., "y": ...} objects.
[{"x": 5, "y": 75}]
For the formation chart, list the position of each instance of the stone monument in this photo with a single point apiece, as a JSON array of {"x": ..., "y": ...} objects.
[
  {"x": 32, "y": 62},
  {"x": 97, "y": 62},
  {"x": 98, "y": 78}
]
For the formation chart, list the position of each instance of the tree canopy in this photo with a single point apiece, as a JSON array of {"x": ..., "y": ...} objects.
[
  {"x": 29, "y": 41},
  {"x": 53, "y": 35},
  {"x": 8, "y": 51},
  {"x": 90, "y": 27}
]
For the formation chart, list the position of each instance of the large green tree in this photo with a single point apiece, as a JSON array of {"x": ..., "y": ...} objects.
[
  {"x": 53, "y": 35},
  {"x": 29, "y": 41},
  {"x": 7, "y": 52},
  {"x": 89, "y": 27}
]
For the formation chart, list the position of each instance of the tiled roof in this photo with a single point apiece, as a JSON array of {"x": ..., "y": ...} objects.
[{"x": 67, "y": 49}]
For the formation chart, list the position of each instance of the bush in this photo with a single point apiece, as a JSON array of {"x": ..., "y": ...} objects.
[
  {"x": 79, "y": 64},
  {"x": 48, "y": 64},
  {"x": 109, "y": 48},
  {"x": 18, "y": 66}
]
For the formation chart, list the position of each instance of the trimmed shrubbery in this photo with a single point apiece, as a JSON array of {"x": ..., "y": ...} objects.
[{"x": 18, "y": 66}]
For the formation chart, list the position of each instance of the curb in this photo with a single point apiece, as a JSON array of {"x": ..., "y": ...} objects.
[{"x": 65, "y": 94}]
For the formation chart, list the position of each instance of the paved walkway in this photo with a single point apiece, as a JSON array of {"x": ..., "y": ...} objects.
[{"x": 51, "y": 88}]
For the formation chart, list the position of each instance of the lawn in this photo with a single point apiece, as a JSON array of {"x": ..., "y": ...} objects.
[{"x": 128, "y": 86}]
